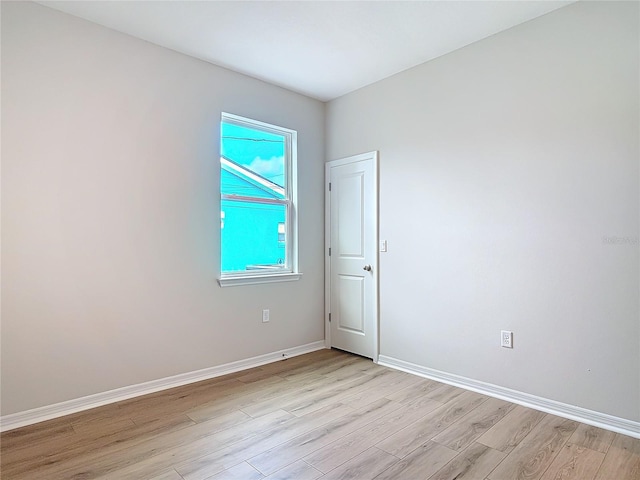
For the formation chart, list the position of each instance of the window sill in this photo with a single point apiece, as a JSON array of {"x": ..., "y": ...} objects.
[{"x": 233, "y": 281}]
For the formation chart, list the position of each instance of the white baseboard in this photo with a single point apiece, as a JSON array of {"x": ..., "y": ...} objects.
[
  {"x": 28, "y": 417},
  {"x": 590, "y": 417}
]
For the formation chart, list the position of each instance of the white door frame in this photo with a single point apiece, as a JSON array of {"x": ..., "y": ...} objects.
[{"x": 327, "y": 242}]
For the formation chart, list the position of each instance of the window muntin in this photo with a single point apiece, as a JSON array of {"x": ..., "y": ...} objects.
[{"x": 257, "y": 186}]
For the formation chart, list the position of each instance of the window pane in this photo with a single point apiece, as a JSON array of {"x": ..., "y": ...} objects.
[
  {"x": 251, "y": 238},
  {"x": 257, "y": 151}
]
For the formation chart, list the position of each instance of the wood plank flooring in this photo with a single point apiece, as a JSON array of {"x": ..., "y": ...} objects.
[{"x": 326, "y": 415}]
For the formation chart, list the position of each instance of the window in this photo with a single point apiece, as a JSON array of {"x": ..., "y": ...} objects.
[
  {"x": 258, "y": 202},
  {"x": 281, "y": 232}
]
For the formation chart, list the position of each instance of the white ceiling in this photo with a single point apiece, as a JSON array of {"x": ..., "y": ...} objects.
[{"x": 323, "y": 49}]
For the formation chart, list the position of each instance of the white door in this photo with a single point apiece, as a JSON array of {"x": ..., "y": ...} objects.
[{"x": 352, "y": 258}]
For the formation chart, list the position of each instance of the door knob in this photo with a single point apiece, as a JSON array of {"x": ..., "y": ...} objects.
[{"x": 367, "y": 268}]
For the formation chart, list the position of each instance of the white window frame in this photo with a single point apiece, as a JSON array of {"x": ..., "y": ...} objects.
[{"x": 290, "y": 271}]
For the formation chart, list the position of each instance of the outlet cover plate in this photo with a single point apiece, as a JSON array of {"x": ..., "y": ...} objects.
[{"x": 506, "y": 339}]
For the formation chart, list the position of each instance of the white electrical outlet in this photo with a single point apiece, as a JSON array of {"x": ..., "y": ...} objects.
[
  {"x": 265, "y": 315},
  {"x": 506, "y": 339}
]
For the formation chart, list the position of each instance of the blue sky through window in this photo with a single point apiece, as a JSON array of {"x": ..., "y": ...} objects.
[{"x": 261, "y": 152}]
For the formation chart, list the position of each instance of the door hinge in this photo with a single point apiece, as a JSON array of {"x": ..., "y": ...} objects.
[
  {"x": 329, "y": 251},
  {"x": 329, "y": 317},
  {"x": 329, "y": 186}
]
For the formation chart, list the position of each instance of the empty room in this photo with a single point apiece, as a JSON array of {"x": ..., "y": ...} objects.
[{"x": 320, "y": 240}]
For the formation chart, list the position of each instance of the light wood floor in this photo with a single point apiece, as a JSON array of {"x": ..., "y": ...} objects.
[{"x": 326, "y": 415}]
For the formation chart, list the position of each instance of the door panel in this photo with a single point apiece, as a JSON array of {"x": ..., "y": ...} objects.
[
  {"x": 350, "y": 222},
  {"x": 350, "y": 310},
  {"x": 352, "y": 266}
]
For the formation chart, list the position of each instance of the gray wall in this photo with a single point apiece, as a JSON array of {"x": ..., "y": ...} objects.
[
  {"x": 110, "y": 213},
  {"x": 503, "y": 166}
]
